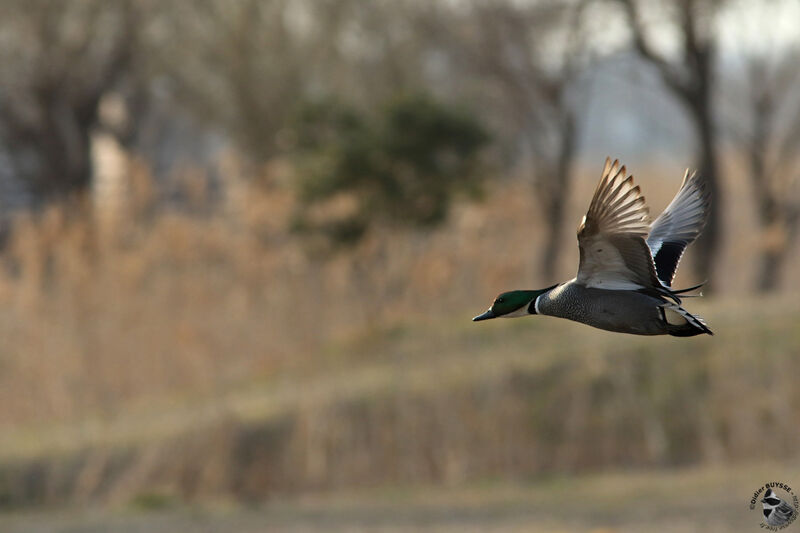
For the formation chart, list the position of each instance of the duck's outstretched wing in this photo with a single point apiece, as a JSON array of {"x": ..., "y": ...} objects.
[
  {"x": 679, "y": 225},
  {"x": 611, "y": 237}
]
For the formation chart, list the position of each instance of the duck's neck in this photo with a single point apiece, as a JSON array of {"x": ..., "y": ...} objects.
[{"x": 532, "y": 307}]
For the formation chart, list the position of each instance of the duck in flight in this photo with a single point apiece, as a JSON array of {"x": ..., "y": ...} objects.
[{"x": 626, "y": 268}]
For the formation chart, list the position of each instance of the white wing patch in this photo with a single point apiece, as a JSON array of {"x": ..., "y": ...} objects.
[{"x": 603, "y": 266}]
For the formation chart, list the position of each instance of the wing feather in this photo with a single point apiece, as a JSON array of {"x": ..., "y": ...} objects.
[
  {"x": 611, "y": 237},
  {"x": 679, "y": 225}
]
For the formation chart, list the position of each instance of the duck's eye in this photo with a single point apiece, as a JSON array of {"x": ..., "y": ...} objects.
[{"x": 498, "y": 301}]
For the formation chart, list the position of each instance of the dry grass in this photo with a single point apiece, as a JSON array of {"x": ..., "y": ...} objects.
[
  {"x": 681, "y": 501},
  {"x": 514, "y": 400},
  {"x": 97, "y": 314},
  {"x": 202, "y": 352}
]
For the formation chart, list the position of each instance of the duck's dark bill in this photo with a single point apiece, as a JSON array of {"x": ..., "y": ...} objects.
[{"x": 485, "y": 316}]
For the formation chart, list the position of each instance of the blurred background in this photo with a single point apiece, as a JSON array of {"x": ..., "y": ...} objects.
[{"x": 241, "y": 243}]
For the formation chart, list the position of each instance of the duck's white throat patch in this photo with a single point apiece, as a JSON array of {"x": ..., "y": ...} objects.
[{"x": 522, "y": 311}]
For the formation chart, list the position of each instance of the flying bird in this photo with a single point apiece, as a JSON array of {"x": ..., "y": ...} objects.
[
  {"x": 776, "y": 511},
  {"x": 627, "y": 266}
]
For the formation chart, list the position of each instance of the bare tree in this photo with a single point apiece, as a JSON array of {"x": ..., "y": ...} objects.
[
  {"x": 58, "y": 59},
  {"x": 690, "y": 77},
  {"x": 766, "y": 125},
  {"x": 234, "y": 64},
  {"x": 530, "y": 56},
  {"x": 244, "y": 66}
]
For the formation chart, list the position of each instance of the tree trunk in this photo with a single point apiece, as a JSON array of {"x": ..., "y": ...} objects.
[
  {"x": 61, "y": 143},
  {"x": 691, "y": 81},
  {"x": 67, "y": 168},
  {"x": 774, "y": 220},
  {"x": 707, "y": 243},
  {"x": 552, "y": 246},
  {"x": 769, "y": 269},
  {"x": 557, "y": 199},
  {"x": 778, "y": 232},
  {"x": 770, "y": 256},
  {"x": 698, "y": 102}
]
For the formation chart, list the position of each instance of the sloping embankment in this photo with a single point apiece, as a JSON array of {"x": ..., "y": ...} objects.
[{"x": 518, "y": 400}]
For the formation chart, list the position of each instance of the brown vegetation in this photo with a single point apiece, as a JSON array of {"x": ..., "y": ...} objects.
[
  {"x": 516, "y": 402},
  {"x": 211, "y": 356}
]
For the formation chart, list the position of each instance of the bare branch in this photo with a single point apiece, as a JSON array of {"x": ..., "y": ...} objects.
[{"x": 667, "y": 71}]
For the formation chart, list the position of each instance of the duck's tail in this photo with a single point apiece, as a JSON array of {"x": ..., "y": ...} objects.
[
  {"x": 681, "y": 323},
  {"x": 676, "y": 294},
  {"x": 690, "y": 289}
]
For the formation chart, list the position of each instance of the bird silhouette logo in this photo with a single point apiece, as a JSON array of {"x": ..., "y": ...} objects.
[
  {"x": 779, "y": 505},
  {"x": 777, "y": 513}
]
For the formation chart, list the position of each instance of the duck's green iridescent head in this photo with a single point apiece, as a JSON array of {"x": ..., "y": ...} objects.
[{"x": 512, "y": 304}]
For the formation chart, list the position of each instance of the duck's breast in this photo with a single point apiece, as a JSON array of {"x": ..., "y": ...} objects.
[{"x": 613, "y": 310}]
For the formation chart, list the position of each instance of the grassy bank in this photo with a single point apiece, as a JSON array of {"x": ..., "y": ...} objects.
[
  {"x": 712, "y": 499},
  {"x": 446, "y": 403}
]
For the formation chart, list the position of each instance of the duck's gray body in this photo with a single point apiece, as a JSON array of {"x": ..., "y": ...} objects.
[{"x": 622, "y": 311}]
